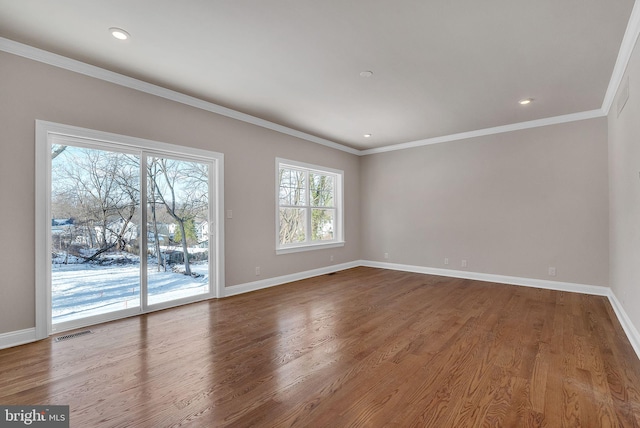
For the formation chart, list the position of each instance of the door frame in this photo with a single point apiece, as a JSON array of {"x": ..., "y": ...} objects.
[{"x": 46, "y": 132}]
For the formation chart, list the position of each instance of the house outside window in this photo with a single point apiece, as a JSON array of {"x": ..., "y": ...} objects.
[{"x": 309, "y": 207}]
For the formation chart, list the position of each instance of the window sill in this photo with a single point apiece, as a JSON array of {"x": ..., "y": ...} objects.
[{"x": 309, "y": 247}]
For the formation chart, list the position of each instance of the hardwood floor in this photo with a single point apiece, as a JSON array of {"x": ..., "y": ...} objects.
[{"x": 363, "y": 347}]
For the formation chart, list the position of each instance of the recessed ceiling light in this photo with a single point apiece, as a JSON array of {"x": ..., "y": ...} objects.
[
  {"x": 525, "y": 101},
  {"x": 367, "y": 135},
  {"x": 366, "y": 73},
  {"x": 119, "y": 33}
]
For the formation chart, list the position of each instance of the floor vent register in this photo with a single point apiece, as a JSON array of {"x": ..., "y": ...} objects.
[{"x": 72, "y": 335}]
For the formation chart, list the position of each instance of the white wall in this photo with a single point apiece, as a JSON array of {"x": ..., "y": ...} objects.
[
  {"x": 624, "y": 194},
  {"x": 30, "y": 90},
  {"x": 511, "y": 204}
]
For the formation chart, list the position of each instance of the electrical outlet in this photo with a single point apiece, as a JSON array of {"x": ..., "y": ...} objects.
[
  {"x": 331, "y": 258},
  {"x": 464, "y": 263},
  {"x": 229, "y": 214},
  {"x": 386, "y": 255},
  {"x": 257, "y": 270},
  {"x": 446, "y": 260},
  {"x": 552, "y": 271}
]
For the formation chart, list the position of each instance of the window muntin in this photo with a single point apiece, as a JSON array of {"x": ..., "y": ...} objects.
[{"x": 309, "y": 212}]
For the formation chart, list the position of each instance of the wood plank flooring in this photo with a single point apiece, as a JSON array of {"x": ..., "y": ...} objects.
[{"x": 363, "y": 347}]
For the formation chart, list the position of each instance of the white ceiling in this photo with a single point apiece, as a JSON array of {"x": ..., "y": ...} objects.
[{"x": 440, "y": 67}]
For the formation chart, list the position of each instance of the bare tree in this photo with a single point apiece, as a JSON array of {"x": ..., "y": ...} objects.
[
  {"x": 299, "y": 191},
  {"x": 179, "y": 186},
  {"x": 104, "y": 184},
  {"x": 292, "y": 194},
  {"x": 152, "y": 172},
  {"x": 321, "y": 189}
]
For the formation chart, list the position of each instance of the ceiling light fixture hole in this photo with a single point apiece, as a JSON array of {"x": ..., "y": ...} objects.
[{"x": 119, "y": 33}]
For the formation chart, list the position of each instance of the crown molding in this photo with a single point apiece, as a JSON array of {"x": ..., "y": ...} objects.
[
  {"x": 624, "y": 55},
  {"x": 573, "y": 117},
  {"x": 631, "y": 34},
  {"x": 60, "y": 61}
]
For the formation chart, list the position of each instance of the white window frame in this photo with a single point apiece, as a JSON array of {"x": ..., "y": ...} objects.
[
  {"x": 46, "y": 133},
  {"x": 308, "y": 245}
]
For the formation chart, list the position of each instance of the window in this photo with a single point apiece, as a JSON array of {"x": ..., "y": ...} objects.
[{"x": 309, "y": 207}]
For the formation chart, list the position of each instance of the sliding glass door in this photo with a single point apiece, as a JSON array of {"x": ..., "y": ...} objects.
[
  {"x": 95, "y": 246},
  {"x": 178, "y": 229},
  {"x": 129, "y": 230}
]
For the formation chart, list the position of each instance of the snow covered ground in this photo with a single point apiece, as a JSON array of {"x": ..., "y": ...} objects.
[{"x": 84, "y": 289}]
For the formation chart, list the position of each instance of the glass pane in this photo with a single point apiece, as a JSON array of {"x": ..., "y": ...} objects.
[
  {"x": 293, "y": 187},
  {"x": 322, "y": 224},
  {"x": 292, "y": 225},
  {"x": 94, "y": 232},
  {"x": 177, "y": 225},
  {"x": 321, "y": 189}
]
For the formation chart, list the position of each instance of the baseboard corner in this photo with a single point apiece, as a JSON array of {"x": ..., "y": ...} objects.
[{"x": 632, "y": 333}]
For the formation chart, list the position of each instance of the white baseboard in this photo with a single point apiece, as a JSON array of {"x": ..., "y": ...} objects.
[
  {"x": 19, "y": 337},
  {"x": 279, "y": 280},
  {"x": 625, "y": 321},
  {"x": 502, "y": 279},
  {"x": 632, "y": 333}
]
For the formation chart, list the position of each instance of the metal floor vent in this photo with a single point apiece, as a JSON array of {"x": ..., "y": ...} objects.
[{"x": 72, "y": 335}]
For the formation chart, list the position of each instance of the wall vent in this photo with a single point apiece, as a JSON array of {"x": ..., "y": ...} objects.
[{"x": 72, "y": 335}]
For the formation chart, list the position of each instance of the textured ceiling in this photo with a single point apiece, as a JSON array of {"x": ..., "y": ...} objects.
[{"x": 440, "y": 67}]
